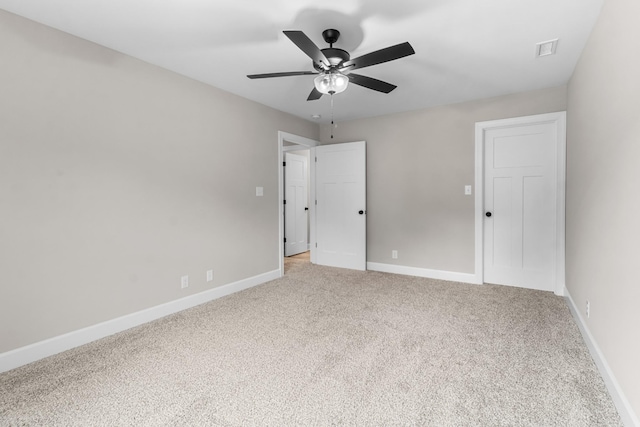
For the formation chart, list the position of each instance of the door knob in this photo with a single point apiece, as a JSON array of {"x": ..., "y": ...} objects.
[
  {"x": 361, "y": 212},
  {"x": 488, "y": 214},
  {"x": 306, "y": 209}
]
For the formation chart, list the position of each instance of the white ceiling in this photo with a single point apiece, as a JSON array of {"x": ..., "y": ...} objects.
[{"x": 465, "y": 49}]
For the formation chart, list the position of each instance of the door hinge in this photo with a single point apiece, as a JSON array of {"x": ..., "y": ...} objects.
[
  {"x": 316, "y": 159},
  {"x": 316, "y": 203},
  {"x": 284, "y": 163},
  {"x": 316, "y": 244},
  {"x": 284, "y": 202},
  {"x": 285, "y": 240}
]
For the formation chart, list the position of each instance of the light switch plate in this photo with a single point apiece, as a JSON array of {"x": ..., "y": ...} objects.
[
  {"x": 467, "y": 190},
  {"x": 259, "y": 191}
]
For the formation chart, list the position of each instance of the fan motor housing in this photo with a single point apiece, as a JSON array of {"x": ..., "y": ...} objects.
[{"x": 335, "y": 56}]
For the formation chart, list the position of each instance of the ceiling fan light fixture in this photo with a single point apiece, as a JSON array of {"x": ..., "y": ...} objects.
[
  {"x": 331, "y": 64},
  {"x": 331, "y": 82}
]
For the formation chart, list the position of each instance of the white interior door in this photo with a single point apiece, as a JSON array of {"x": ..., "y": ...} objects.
[
  {"x": 295, "y": 208},
  {"x": 341, "y": 223},
  {"x": 520, "y": 205}
]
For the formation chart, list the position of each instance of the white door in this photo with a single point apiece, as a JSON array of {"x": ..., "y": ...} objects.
[
  {"x": 341, "y": 223},
  {"x": 520, "y": 204},
  {"x": 295, "y": 208}
]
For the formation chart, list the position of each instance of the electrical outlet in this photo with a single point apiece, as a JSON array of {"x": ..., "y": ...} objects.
[
  {"x": 209, "y": 275},
  {"x": 467, "y": 190},
  {"x": 588, "y": 310},
  {"x": 394, "y": 254},
  {"x": 184, "y": 282}
]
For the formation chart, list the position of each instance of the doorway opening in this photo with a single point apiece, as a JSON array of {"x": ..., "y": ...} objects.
[
  {"x": 298, "y": 150},
  {"x": 296, "y": 159},
  {"x": 337, "y": 187},
  {"x": 294, "y": 260}
]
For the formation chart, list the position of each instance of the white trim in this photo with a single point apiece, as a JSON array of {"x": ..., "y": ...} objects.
[
  {"x": 479, "y": 206},
  {"x": 560, "y": 118},
  {"x": 422, "y": 272},
  {"x": 310, "y": 144},
  {"x": 626, "y": 412},
  {"x": 296, "y": 139},
  {"x": 294, "y": 148},
  {"x": 561, "y": 204},
  {"x": 312, "y": 206},
  {"x": 30, "y": 353}
]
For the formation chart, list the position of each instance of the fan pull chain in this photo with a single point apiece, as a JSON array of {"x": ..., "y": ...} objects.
[{"x": 332, "y": 125}]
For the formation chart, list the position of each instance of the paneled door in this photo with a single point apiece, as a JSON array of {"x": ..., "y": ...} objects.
[
  {"x": 341, "y": 220},
  {"x": 295, "y": 208},
  {"x": 520, "y": 204}
]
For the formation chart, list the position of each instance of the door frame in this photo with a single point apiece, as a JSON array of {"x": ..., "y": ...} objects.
[
  {"x": 560, "y": 120},
  {"x": 310, "y": 144}
]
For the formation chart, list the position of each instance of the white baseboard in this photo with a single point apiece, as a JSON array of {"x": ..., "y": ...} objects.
[
  {"x": 30, "y": 353},
  {"x": 626, "y": 412},
  {"x": 423, "y": 272}
]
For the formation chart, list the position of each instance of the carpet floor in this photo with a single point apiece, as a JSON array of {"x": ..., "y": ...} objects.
[{"x": 325, "y": 346}]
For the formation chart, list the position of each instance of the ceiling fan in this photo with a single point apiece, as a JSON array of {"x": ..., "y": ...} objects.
[{"x": 334, "y": 66}]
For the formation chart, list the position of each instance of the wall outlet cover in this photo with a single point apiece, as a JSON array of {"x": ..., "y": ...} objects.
[{"x": 588, "y": 310}]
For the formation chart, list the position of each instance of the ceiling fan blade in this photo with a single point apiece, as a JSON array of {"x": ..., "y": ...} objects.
[
  {"x": 285, "y": 74},
  {"x": 379, "y": 56},
  {"x": 371, "y": 83},
  {"x": 305, "y": 44},
  {"x": 315, "y": 94}
]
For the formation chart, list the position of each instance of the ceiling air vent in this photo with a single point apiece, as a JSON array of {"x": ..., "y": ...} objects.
[{"x": 546, "y": 48}]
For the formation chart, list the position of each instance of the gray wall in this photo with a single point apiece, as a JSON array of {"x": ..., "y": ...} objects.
[
  {"x": 116, "y": 178},
  {"x": 417, "y": 166},
  {"x": 603, "y": 202}
]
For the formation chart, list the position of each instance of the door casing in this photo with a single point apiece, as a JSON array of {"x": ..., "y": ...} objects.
[{"x": 559, "y": 119}]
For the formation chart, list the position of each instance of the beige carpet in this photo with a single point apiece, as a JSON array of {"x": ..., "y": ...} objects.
[{"x": 325, "y": 346}]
